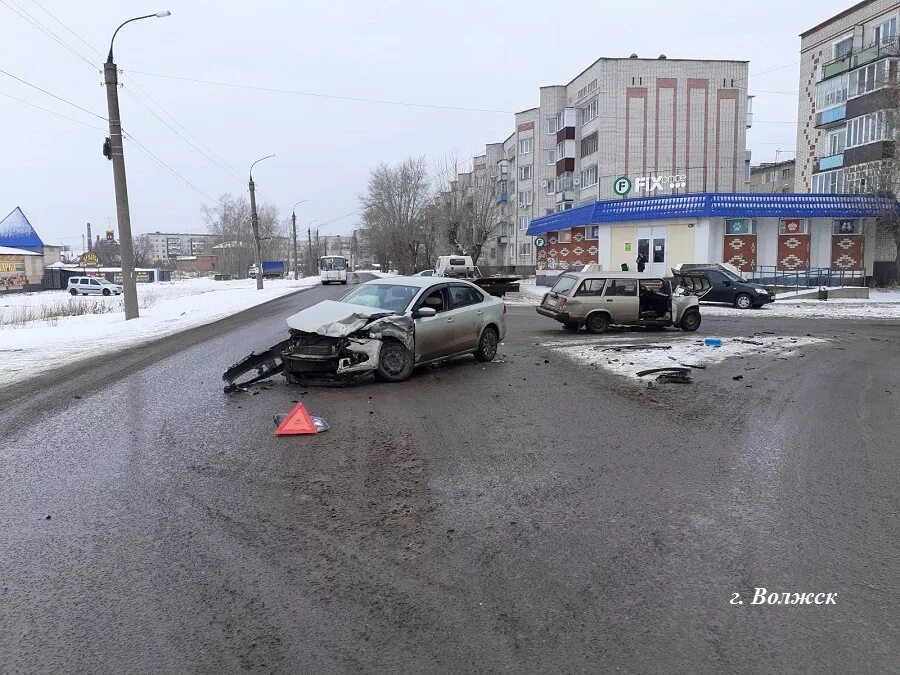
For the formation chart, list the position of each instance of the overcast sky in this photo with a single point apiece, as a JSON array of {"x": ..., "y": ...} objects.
[{"x": 464, "y": 53}]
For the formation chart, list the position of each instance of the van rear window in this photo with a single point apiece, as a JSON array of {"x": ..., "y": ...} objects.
[
  {"x": 591, "y": 287},
  {"x": 563, "y": 285},
  {"x": 457, "y": 261}
]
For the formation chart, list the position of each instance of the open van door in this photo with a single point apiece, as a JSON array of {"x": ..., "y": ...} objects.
[{"x": 693, "y": 282}]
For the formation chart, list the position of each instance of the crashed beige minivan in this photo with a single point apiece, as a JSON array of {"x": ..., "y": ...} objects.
[{"x": 597, "y": 300}]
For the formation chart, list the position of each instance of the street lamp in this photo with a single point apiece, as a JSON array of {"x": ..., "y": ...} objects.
[
  {"x": 117, "y": 156},
  {"x": 294, "y": 227},
  {"x": 309, "y": 240},
  {"x": 254, "y": 221}
]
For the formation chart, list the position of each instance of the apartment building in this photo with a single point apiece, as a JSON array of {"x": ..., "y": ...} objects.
[
  {"x": 623, "y": 127},
  {"x": 848, "y": 98},
  {"x": 171, "y": 245},
  {"x": 772, "y": 177}
]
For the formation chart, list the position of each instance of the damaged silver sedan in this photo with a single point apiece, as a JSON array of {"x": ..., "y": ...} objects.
[{"x": 384, "y": 327}]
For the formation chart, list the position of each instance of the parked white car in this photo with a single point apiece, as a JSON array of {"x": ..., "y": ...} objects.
[{"x": 92, "y": 286}]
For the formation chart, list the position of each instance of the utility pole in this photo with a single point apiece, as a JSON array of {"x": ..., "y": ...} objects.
[
  {"x": 309, "y": 247},
  {"x": 294, "y": 229},
  {"x": 117, "y": 156},
  {"x": 254, "y": 222}
]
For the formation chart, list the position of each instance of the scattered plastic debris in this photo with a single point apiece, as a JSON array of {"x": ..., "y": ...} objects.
[
  {"x": 712, "y": 342},
  {"x": 619, "y": 348}
]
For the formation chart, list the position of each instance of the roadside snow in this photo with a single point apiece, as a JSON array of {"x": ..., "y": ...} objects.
[
  {"x": 682, "y": 350},
  {"x": 880, "y": 305},
  {"x": 529, "y": 294},
  {"x": 166, "y": 308}
]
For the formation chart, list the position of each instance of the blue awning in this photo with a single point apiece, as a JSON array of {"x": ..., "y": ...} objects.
[{"x": 712, "y": 205}]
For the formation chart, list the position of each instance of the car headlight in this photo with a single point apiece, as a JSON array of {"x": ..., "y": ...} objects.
[{"x": 761, "y": 291}]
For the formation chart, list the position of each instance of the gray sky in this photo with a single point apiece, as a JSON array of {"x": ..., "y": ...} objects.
[{"x": 465, "y": 53}]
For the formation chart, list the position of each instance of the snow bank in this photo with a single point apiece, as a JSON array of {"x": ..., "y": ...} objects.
[
  {"x": 880, "y": 305},
  {"x": 683, "y": 350},
  {"x": 167, "y": 308},
  {"x": 529, "y": 294}
]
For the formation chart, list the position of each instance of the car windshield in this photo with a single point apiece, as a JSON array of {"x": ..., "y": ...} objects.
[
  {"x": 731, "y": 275},
  {"x": 331, "y": 264},
  {"x": 563, "y": 285},
  {"x": 392, "y": 297}
]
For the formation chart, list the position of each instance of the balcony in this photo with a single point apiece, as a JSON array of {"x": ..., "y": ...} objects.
[
  {"x": 502, "y": 240},
  {"x": 565, "y": 196},
  {"x": 502, "y": 198},
  {"x": 860, "y": 57},
  {"x": 838, "y": 66},
  {"x": 832, "y": 115},
  {"x": 830, "y": 162}
]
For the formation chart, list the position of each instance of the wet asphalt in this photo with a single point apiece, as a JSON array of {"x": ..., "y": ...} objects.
[{"x": 528, "y": 515}]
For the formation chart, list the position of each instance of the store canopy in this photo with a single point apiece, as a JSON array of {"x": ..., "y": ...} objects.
[
  {"x": 712, "y": 205},
  {"x": 9, "y": 250}
]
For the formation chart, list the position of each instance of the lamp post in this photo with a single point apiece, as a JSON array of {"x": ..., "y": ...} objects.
[
  {"x": 254, "y": 221},
  {"x": 117, "y": 156},
  {"x": 309, "y": 242},
  {"x": 294, "y": 228}
]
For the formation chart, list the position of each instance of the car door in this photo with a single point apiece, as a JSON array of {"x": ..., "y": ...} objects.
[
  {"x": 84, "y": 286},
  {"x": 720, "y": 288},
  {"x": 434, "y": 334},
  {"x": 96, "y": 286},
  {"x": 467, "y": 308},
  {"x": 620, "y": 299}
]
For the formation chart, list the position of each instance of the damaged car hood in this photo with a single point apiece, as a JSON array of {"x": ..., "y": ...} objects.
[{"x": 336, "y": 319}]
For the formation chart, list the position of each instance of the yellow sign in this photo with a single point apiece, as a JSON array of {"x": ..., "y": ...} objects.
[
  {"x": 12, "y": 273},
  {"x": 89, "y": 258}
]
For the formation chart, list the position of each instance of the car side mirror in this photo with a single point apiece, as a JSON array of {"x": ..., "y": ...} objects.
[{"x": 423, "y": 312}]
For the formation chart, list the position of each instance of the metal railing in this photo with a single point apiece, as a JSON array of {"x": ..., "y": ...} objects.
[{"x": 813, "y": 277}]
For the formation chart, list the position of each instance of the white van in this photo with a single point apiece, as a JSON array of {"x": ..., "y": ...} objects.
[
  {"x": 333, "y": 269},
  {"x": 92, "y": 286}
]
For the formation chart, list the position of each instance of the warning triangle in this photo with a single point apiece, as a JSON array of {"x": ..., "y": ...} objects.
[{"x": 297, "y": 422}]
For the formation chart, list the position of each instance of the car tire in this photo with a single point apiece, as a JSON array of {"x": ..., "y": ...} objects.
[
  {"x": 487, "y": 345},
  {"x": 572, "y": 326},
  {"x": 343, "y": 283},
  {"x": 690, "y": 321},
  {"x": 73, "y": 291},
  {"x": 597, "y": 322},
  {"x": 106, "y": 291},
  {"x": 395, "y": 363},
  {"x": 743, "y": 301}
]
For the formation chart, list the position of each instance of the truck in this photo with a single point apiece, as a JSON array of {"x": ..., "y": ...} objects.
[
  {"x": 271, "y": 269},
  {"x": 462, "y": 267}
]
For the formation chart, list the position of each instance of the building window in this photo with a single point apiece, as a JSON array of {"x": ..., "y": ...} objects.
[
  {"x": 832, "y": 92},
  {"x": 551, "y": 156},
  {"x": 549, "y": 212},
  {"x": 525, "y": 146},
  {"x": 589, "y": 145},
  {"x": 837, "y": 141},
  {"x": 847, "y": 227},
  {"x": 565, "y": 149},
  {"x": 525, "y": 172},
  {"x": 590, "y": 111},
  {"x": 885, "y": 32},
  {"x": 793, "y": 226},
  {"x": 765, "y": 177},
  {"x": 594, "y": 232},
  {"x": 869, "y": 78},
  {"x": 740, "y": 226},
  {"x": 774, "y": 176},
  {"x": 785, "y": 173},
  {"x": 843, "y": 47},
  {"x": 551, "y": 125},
  {"x": 564, "y": 237},
  {"x": 525, "y": 248},
  {"x": 523, "y": 223},
  {"x": 589, "y": 176},
  {"x": 869, "y": 129},
  {"x": 551, "y": 186},
  {"x": 829, "y": 182},
  {"x": 525, "y": 198}
]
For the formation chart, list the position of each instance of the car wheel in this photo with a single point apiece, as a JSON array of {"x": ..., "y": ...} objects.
[
  {"x": 572, "y": 326},
  {"x": 743, "y": 301},
  {"x": 73, "y": 291},
  {"x": 343, "y": 283},
  {"x": 487, "y": 345},
  {"x": 106, "y": 291},
  {"x": 691, "y": 320},
  {"x": 597, "y": 322},
  {"x": 395, "y": 363}
]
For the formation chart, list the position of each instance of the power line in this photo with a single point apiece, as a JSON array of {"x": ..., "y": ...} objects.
[
  {"x": 58, "y": 98},
  {"x": 147, "y": 151},
  {"x": 318, "y": 95},
  {"x": 37, "y": 24},
  {"x": 766, "y": 72},
  {"x": 55, "y": 18},
  {"x": 52, "y": 112}
]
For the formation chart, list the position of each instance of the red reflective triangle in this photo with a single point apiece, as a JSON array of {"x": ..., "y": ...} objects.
[{"x": 297, "y": 422}]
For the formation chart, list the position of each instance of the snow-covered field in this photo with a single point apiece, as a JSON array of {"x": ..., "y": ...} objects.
[
  {"x": 600, "y": 352},
  {"x": 165, "y": 308}
]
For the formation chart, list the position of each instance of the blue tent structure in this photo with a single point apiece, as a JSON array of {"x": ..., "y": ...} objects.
[{"x": 17, "y": 232}]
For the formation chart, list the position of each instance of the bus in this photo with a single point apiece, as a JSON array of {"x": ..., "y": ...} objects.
[{"x": 333, "y": 269}]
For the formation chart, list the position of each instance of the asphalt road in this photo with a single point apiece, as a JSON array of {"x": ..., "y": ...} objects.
[{"x": 519, "y": 516}]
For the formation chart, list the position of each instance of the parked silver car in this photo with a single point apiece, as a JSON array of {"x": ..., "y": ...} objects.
[
  {"x": 386, "y": 327},
  {"x": 92, "y": 286}
]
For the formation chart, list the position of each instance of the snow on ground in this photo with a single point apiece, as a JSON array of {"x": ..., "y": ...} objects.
[
  {"x": 377, "y": 273},
  {"x": 601, "y": 352},
  {"x": 529, "y": 294},
  {"x": 165, "y": 308},
  {"x": 881, "y": 304}
]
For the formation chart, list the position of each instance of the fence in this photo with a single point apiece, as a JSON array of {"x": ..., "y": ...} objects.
[{"x": 769, "y": 275}]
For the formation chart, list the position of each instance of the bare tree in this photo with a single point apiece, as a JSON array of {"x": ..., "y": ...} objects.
[
  {"x": 229, "y": 220},
  {"x": 142, "y": 251},
  {"x": 395, "y": 203}
]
